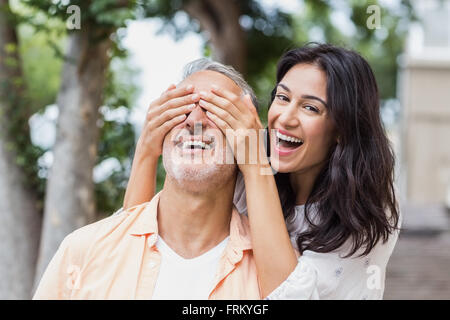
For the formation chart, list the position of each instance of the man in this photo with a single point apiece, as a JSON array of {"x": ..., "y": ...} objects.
[{"x": 188, "y": 242}]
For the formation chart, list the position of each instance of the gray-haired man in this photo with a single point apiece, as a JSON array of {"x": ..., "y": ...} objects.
[{"x": 188, "y": 242}]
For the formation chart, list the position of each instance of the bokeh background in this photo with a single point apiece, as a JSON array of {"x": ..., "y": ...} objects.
[{"x": 76, "y": 79}]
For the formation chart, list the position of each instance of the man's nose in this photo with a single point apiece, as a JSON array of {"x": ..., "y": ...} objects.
[{"x": 196, "y": 120}]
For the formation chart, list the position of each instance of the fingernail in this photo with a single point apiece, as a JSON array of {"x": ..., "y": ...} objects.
[
  {"x": 214, "y": 87},
  {"x": 181, "y": 117},
  {"x": 189, "y": 87},
  {"x": 191, "y": 106},
  {"x": 195, "y": 97},
  {"x": 203, "y": 93}
]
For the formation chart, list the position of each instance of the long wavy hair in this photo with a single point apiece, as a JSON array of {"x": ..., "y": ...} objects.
[{"x": 353, "y": 195}]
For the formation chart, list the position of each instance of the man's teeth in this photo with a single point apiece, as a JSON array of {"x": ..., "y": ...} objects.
[
  {"x": 287, "y": 138},
  {"x": 193, "y": 143}
]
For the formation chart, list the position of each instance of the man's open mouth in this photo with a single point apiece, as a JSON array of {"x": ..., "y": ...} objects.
[{"x": 196, "y": 143}]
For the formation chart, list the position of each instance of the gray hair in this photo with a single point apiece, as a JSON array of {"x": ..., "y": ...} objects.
[{"x": 228, "y": 71}]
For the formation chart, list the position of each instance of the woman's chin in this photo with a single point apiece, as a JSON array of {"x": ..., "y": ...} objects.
[{"x": 282, "y": 167}]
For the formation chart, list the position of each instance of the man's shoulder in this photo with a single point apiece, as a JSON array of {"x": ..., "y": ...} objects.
[{"x": 112, "y": 227}]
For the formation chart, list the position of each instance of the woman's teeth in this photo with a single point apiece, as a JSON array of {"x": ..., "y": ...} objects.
[{"x": 285, "y": 138}]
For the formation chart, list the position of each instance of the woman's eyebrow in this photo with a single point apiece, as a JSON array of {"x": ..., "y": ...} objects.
[
  {"x": 314, "y": 98},
  {"x": 305, "y": 96},
  {"x": 284, "y": 87}
]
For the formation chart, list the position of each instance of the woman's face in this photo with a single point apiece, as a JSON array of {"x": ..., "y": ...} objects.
[{"x": 302, "y": 131}]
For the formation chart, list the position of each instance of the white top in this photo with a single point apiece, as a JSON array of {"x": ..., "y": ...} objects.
[
  {"x": 328, "y": 275},
  {"x": 181, "y": 278}
]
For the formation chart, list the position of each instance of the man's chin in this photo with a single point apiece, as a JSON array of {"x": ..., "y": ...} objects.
[{"x": 195, "y": 176}]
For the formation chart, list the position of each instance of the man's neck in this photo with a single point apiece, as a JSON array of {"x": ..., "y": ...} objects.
[{"x": 192, "y": 223}]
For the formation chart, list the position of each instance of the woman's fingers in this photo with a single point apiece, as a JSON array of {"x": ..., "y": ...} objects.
[
  {"x": 170, "y": 114},
  {"x": 235, "y": 99},
  {"x": 223, "y": 114},
  {"x": 224, "y": 103},
  {"x": 171, "y": 104},
  {"x": 223, "y": 126},
  {"x": 249, "y": 103},
  {"x": 171, "y": 94},
  {"x": 171, "y": 87},
  {"x": 168, "y": 125}
]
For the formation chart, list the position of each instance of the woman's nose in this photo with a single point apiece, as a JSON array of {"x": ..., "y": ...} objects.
[{"x": 289, "y": 117}]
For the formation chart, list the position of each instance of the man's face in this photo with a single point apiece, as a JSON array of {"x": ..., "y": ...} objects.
[{"x": 195, "y": 152}]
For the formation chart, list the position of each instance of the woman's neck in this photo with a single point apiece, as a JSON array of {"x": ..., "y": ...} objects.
[{"x": 302, "y": 183}]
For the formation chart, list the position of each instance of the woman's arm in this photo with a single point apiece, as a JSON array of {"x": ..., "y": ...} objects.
[
  {"x": 141, "y": 190},
  {"x": 163, "y": 114},
  {"x": 274, "y": 254}
]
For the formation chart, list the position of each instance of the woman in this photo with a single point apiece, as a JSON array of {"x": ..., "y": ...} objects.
[{"x": 333, "y": 197}]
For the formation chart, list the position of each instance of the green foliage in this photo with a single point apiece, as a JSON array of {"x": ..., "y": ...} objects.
[
  {"x": 108, "y": 14},
  {"x": 42, "y": 35},
  {"x": 269, "y": 33},
  {"x": 117, "y": 137},
  {"x": 41, "y": 66},
  {"x": 380, "y": 47}
]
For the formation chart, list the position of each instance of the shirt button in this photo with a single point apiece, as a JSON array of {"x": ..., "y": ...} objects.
[{"x": 152, "y": 264}]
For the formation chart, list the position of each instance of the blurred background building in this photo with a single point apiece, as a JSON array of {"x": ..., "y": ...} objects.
[{"x": 419, "y": 266}]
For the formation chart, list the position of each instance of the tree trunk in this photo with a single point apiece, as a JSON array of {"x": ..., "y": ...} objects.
[
  {"x": 20, "y": 220},
  {"x": 70, "y": 201},
  {"x": 220, "y": 19}
]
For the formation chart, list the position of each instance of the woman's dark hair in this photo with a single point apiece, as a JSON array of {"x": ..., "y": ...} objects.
[{"x": 354, "y": 191}]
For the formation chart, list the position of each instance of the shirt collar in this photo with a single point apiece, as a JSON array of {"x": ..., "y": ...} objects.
[{"x": 147, "y": 223}]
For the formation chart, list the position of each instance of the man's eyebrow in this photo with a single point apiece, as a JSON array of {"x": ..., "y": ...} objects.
[{"x": 305, "y": 96}]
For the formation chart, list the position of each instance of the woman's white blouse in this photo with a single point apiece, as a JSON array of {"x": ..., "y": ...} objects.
[{"x": 328, "y": 275}]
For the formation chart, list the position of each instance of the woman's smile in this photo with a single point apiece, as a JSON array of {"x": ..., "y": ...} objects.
[{"x": 286, "y": 143}]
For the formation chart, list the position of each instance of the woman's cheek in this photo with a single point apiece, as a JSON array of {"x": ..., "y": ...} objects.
[{"x": 271, "y": 115}]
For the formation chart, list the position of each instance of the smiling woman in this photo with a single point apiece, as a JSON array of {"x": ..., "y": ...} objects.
[
  {"x": 330, "y": 99},
  {"x": 325, "y": 226}
]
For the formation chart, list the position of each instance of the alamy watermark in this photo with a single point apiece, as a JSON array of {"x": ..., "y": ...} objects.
[
  {"x": 74, "y": 20},
  {"x": 374, "y": 20}
]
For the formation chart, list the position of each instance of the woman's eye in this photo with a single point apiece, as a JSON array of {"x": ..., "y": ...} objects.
[
  {"x": 282, "y": 97},
  {"x": 311, "y": 108}
]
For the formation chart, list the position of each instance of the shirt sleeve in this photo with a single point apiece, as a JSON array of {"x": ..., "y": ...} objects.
[
  {"x": 331, "y": 276},
  {"x": 300, "y": 285},
  {"x": 61, "y": 275}
]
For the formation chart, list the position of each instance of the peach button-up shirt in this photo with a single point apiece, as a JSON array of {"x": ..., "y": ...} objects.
[{"x": 116, "y": 258}]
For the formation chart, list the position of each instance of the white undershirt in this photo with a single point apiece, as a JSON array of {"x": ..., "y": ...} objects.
[{"x": 181, "y": 278}]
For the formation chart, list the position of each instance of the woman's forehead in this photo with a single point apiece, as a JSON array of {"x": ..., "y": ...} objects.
[{"x": 306, "y": 79}]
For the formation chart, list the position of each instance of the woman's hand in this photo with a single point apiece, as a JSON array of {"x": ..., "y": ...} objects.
[
  {"x": 238, "y": 119},
  {"x": 163, "y": 114},
  {"x": 275, "y": 256}
]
